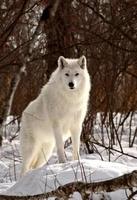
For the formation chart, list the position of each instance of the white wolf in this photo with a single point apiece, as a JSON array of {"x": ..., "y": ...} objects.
[{"x": 56, "y": 114}]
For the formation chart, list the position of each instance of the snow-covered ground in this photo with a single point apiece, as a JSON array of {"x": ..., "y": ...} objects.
[{"x": 93, "y": 167}]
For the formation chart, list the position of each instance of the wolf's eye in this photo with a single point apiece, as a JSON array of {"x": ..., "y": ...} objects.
[
  {"x": 76, "y": 74},
  {"x": 66, "y": 74}
]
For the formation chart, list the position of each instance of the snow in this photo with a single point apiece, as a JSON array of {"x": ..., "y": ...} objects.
[
  {"x": 89, "y": 168},
  {"x": 49, "y": 177}
]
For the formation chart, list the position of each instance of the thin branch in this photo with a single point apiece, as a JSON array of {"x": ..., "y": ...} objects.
[
  {"x": 110, "y": 148},
  {"x": 132, "y": 195}
]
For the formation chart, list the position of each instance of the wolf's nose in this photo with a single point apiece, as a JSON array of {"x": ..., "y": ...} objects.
[{"x": 71, "y": 85}]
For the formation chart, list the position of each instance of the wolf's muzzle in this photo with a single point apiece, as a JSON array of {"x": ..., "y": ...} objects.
[{"x": 71, "y": 85}]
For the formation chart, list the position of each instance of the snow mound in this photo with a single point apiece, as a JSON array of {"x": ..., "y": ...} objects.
[{"x": 49, "y": 177}]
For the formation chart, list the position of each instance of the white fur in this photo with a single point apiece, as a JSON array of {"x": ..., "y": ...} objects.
[{"x": 56, "y": 114}]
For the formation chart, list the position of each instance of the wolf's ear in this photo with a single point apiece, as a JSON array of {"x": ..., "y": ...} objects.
[
  {"x": 82, "y": 62},
  {"x": 62, "y": 62}
]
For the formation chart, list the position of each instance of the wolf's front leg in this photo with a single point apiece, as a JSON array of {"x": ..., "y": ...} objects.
[
  {"x": 59, "y": 143},
  {"x": 75, "y": 136}
]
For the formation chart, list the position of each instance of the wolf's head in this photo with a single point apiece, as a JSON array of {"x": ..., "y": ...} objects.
[{"x": 73, "y": 72}]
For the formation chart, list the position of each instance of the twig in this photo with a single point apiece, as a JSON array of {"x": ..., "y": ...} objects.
[{"x": 123, "y": 153}]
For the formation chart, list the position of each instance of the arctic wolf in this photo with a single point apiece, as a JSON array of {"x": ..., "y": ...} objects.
[{"x": 56, "y": 114}]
